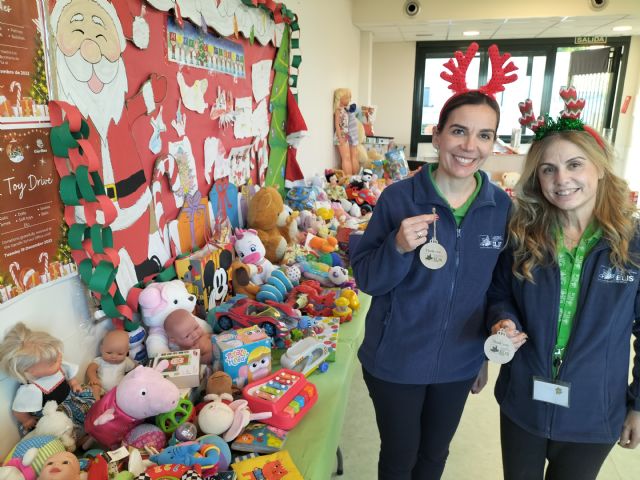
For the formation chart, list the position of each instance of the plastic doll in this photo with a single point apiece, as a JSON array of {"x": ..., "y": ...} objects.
[
  {"x": 335, "y": 191},
  {"x": 35, "y": 360},
  {"x": 184, "y": 332},
  {"x": 61, "y": 466},
  {"x": 342, "y": 139},
  {"x": 106, "y": 371}
]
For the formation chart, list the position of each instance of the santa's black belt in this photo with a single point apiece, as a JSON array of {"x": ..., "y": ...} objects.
[{"x": 125, "y": 187}]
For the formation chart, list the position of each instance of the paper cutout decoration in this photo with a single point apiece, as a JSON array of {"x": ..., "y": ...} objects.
[
  {"x": 180, "y": 122},
  {"x": 296, "y": 130},
  {"x": 186, "y": 165},
  {"x": 155, "y": 142},
  {"x": 242, "y": 127},
  {"x": 192, "y": 47},
  {"x": 260, "y": 72},
  {"x": 214, "y": 159},
  {"x": 260, "y": 120},
  {"x": 227, "y": 17},
  {"x": 193, "y": 96},
  {"x": 141, "y": 31},
  {"x": 224, "y": 202},
  {"x": 223, "y": 109},
  {"x": 165, "y": 167},
  {"x": 240, "y": 164}
]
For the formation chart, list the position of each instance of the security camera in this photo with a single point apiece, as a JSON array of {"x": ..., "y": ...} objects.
[
  {"x": 598, "y": 4},
  {"x": 412, "y": 8}
]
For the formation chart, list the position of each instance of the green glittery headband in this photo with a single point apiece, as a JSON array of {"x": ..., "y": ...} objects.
[{"x": 569, "y": 118}]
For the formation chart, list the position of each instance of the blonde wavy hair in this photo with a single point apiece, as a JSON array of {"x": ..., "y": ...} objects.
[
  {"x": 534, "y": 221},
  {"x": 337, "y": 96},
  {"x": 23, "y": 348}
]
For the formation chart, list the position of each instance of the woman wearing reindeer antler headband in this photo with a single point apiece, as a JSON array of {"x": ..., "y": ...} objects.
[
  {"x": 570, "y": 280},
  {"x": 426, "y": 258}
]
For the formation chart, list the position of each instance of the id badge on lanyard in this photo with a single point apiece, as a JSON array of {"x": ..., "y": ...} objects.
[{"x": 551, "y": 391}]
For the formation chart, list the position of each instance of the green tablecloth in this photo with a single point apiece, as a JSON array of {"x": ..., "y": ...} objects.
[{"x": 314, "y": 441}]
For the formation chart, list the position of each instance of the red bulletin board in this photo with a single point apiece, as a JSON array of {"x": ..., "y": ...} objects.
[{"x": 127, "y": 138}]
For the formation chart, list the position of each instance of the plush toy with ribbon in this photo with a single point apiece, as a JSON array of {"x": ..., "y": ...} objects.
[{"x": 251, "y": 250}]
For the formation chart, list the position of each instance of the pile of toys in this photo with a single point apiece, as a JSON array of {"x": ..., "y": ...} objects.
[{"x": 218, "y": 367}]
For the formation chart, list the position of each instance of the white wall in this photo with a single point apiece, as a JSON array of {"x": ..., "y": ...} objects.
[
  {"x": 330, "y": 47},
  {"x": 392, "y": 90},
  {"x": 61, "y": 309}
]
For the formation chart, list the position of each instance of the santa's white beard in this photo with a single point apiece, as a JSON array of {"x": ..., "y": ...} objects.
[{"x": 101, "y": 107}]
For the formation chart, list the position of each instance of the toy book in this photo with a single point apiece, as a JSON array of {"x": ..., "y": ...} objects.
[
  {"x": 277, "y": 466},
  {"x": 260, "y": 438}
]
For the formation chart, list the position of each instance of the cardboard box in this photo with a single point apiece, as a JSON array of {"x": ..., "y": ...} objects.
[
  {"x": 184, "y": 367},
  {"x": 244, "y": 354},
  {"x": 329, "y": 334}
]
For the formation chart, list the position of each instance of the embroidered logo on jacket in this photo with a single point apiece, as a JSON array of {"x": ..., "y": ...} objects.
[
  {"x": 491, "y": 241},
  {"x": 611, "y": 274}
]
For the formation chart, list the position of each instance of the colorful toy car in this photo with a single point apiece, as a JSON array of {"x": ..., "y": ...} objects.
[
  {"x": 240, "y": 311},
  {"x": 362, "y": 197}
]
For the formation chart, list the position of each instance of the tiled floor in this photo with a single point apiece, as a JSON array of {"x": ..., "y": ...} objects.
[{"x": 475, "y": 451}]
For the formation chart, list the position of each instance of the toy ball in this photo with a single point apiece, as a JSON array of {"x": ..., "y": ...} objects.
[
  {"x": 169, "y": 421},
  {"x": 186, "y": 432},
  {"x": 223, "y": 448},
  {"x": 146, "y": 434}
]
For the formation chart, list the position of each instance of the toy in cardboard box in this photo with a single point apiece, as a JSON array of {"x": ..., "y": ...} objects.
[
  {"x": 207, "y": 275},
  {"x": 183, "y": 369},
  {"x": 245, "y": 354}
]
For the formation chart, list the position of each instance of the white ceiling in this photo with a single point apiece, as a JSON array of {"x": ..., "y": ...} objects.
[{"x": 503, "y": 28}]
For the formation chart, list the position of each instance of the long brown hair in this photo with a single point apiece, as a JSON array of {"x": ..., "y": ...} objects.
[{"x": 532, "y": 226}]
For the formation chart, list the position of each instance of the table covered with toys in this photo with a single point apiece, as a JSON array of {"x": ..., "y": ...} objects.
[{"x": 241, "y": 363}]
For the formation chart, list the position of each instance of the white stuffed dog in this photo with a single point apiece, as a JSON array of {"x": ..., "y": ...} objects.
[{"x": 157, "y": 301}]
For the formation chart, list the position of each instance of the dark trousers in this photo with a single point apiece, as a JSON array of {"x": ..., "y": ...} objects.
[
  {"x": 416, "y": 425},
  {"x": 524, "y": 455}
]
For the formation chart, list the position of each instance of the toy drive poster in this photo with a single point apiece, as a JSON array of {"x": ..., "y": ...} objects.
[
  {"x": 23, "y": 81},
  {"x": 150, "y": 116},
  {"x": 30, "y": 213}
]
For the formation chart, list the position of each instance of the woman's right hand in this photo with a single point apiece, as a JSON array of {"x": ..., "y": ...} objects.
[
  {"x": 413, "y": 232},
  {"x": 517, "y": 337}
]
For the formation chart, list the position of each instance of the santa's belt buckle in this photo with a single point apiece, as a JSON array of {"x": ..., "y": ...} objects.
[{"x": 111, "y": 191}]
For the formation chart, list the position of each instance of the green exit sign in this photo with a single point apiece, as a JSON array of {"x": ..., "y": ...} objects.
[{"x": 590, "y": 40}]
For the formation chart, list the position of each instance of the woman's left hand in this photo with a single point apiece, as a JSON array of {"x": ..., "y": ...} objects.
[
  {"x": 481, "y": 379},
  {"x": 630, "y": 436}
]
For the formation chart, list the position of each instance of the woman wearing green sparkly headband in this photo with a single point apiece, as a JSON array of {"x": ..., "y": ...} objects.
[{"x": 569, "y": 279}]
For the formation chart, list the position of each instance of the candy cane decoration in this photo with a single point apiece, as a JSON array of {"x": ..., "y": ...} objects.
[
  {"x": 29, "y": 279},
  {"x": 14, "y": 269},
  {"x": 45, "y": 270},
  {"x": 165, "y": 166},
  {"x": 16, "y": 85}
]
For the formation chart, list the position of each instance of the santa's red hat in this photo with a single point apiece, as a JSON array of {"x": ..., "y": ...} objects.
[{"x": 295, "y": 129}]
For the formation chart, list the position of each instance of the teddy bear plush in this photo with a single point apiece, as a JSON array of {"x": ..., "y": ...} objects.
[
  {"x": 265, "y": 209},
  {"x": 157, "y": 301}
]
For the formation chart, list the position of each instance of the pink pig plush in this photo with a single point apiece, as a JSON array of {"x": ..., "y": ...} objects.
[{"x": 142, "y": 393}]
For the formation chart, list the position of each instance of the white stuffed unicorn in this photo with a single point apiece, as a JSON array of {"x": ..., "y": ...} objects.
[{"x": 251, "y": 251}]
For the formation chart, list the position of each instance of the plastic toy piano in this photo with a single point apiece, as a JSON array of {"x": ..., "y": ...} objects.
[{"x": 288, "y": 395}]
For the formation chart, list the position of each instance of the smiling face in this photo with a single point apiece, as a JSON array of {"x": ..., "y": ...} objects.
[
  {"x": 466, "y": 140},
  {"x": 61, "y": 466},
  {"x": 568, "y": 179}
]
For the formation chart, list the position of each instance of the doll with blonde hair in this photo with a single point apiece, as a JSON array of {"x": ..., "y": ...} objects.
[
  {"x": 343, "y": 139},
  {"x": 35, "y": 360}
]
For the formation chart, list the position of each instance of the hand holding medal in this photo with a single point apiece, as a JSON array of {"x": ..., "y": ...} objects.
[
  {"x": 432, "y": 254},
  {"x": 505, "y": 341},
  {"x": 413, "y": 232}
]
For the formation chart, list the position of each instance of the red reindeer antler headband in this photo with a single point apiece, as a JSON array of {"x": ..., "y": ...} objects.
[{"x": 501, "y": 71}]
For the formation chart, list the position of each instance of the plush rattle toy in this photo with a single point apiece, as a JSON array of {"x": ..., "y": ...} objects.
[{"x": 228, "y": 420}]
